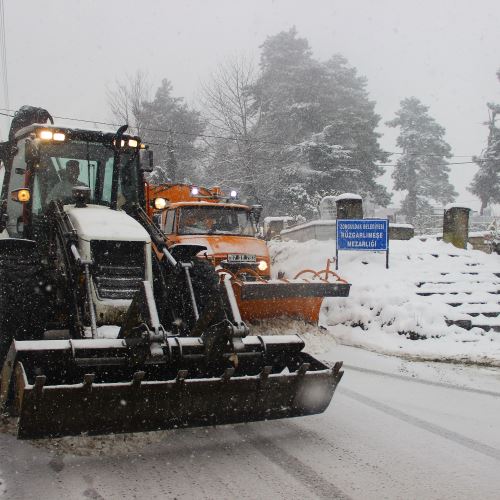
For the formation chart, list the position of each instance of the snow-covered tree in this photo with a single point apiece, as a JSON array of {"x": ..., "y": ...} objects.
[
  {"x": 165, "y": 122},
  {"x": 486, "y": 183},
  {"x": 173, "y": 129},
  {"x": 421, "y": 170},
  {"x": 319, "y": 124}
]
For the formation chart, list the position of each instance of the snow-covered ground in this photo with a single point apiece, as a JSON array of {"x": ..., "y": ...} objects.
[
  {"x": 384, "y": 313},
  {"x": 395, "y": 429}
]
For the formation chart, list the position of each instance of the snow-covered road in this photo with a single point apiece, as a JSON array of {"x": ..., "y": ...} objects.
[{"x": 395, "y": 429}]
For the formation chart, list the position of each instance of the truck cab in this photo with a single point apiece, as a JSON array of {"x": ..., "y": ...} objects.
[{"x": 227, "y": 229}]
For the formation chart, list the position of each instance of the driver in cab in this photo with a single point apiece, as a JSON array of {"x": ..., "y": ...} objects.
[{"x": 69, "y": 179}]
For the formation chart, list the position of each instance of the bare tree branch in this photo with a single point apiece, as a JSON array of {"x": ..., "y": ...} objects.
[{"x": 127, "y": 98}]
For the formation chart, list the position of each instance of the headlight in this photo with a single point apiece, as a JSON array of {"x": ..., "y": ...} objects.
[
  {"x": 160, "y": 203},
  {"x": 59, "y": 136},
  {"x": 262, "y": 265},
  {"x": 45, "y": 134}
]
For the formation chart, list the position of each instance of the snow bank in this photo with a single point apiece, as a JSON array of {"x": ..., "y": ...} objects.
[{"x": 384, "y": 313}]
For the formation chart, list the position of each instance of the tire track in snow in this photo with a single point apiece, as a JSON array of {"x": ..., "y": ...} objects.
[
  {"x": 292, "y": 465},
  {"x": 2, "y": 486},
  {"x": 472, "y": 444},
  {"x": 421, "y": 381}
]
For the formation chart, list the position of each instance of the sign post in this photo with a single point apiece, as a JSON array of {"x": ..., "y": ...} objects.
[{"x": 363, "y": 234}]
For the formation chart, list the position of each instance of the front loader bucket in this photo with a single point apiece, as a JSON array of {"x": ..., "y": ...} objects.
[
  {"x": 298, "y": 299},
  {"x": 296, "y": 386}
]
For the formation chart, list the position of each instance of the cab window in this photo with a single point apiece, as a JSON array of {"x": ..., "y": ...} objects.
[
  {"x": 169, "y": 222},
  {"x": 14, "y": 208}
]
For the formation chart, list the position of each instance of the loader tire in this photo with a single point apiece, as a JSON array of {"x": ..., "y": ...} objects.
[
  {"x": 177, "y": 299},
  {"x": 22, "y": 301}
]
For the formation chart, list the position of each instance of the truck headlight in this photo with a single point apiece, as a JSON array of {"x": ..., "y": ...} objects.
[
  {"x": 262, "y": 265},
  {"x": 160, "y": 203}
]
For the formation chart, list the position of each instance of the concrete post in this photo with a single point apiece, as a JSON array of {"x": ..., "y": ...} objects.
[
  {"x": 349, "y": 206},
  {"x": 456, "y": 225},
  {"x": 328, "y": 208}
]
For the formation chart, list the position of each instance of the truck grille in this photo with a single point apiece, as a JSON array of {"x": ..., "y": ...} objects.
[{"x": 119, "y": 268}]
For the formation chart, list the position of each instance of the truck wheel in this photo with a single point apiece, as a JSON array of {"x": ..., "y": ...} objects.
[
  {"x": 177, "y": 299},
  {"x": 22, "y": 301}
]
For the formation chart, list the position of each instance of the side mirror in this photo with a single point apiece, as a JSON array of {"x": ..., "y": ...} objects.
[
  {"x": 145, "y": 160},
  {"x": 32, "y": 151},
  {"x": 256, "y": 212},
  {"x": 21, "y": 195}
]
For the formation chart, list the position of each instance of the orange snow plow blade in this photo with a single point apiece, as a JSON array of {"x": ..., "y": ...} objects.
[
  {"x": 270, "y": 299},
  {"x": 299, "y": 298}
]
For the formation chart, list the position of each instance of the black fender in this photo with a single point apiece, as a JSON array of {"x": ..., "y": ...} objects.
[
  {"x": 17, "y": 247},
  {"x": 185, "y": 253}
]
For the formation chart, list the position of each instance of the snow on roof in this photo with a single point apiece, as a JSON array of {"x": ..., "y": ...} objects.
[
  {"x": 348, "y": 196},
  {"x": 320, "y": 222},
  {"x": 209, "y": 204},
  {"x": 457, "y": 205},
  {"x": 278, "y": 218}
]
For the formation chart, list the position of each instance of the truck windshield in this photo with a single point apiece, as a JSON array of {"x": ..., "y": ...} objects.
[
  {"x": 216, "y": 220},
  {"x": 82, "y": 163}
]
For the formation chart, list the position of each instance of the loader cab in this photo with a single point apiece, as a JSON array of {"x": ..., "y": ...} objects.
[{"x": 39, "y": 160}]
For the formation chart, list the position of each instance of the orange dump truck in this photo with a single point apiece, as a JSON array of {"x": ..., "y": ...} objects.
[{"x": 228, "y": 231}]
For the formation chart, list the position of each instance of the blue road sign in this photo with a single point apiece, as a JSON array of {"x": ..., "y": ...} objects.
[{"x": 363, "y": 234}]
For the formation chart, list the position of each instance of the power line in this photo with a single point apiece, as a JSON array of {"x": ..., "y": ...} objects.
[{"x": 209, "y": 136}]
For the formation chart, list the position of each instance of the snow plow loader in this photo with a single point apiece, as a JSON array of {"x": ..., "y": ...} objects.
[
  {"x": 200, "y": 216},
  {"x": 97, "y": 333}
]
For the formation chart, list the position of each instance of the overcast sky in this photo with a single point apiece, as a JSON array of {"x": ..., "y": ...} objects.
[{"x": 63, "y": 54}]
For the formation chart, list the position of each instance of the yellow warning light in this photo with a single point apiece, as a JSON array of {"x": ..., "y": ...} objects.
[
  {"x": 59, "y": 136},
  {"x": 22, "y": 195},
  {"x": 46, "y": 135}
]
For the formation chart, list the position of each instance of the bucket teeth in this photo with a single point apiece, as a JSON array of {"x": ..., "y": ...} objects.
[
  {"x": 303, "y": 368},
  {"x": 137, "y": 379},
  {"x": 88, "y": 380},
  {"x": 39, "y": 384},
  {"x": 266, "y": 371},
  {"x": 337, "y": 367},
  {"x": 228, "y": 373}
]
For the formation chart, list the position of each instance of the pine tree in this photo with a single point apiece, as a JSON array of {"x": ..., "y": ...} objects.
[
  {"x": 319, "y": 123},
  {"x": 170, "y": 125},
  {"x": 486, "y": 183},
  {"x": 421, "y": 170}
]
